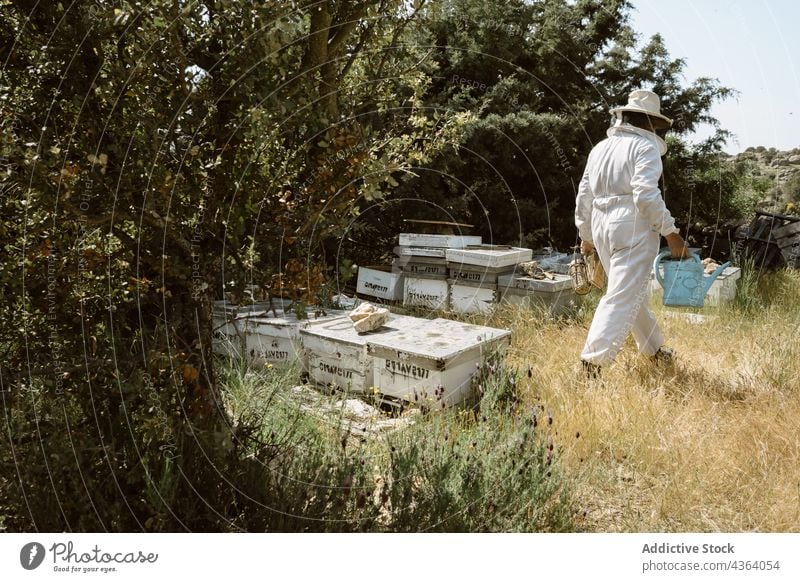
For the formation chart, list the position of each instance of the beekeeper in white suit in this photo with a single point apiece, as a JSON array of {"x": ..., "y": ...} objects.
[{"x": 620, "y": 213}]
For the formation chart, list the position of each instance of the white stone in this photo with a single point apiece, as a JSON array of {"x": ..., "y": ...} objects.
[{"x": 368, "y": 317}]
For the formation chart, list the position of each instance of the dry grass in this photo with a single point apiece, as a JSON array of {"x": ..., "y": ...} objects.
[{"x": 709, "y": 444}]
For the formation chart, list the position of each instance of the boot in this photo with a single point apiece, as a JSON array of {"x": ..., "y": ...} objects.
[
  {"x": 590, "y": 370},
  {"x": 664, "y": 355}
]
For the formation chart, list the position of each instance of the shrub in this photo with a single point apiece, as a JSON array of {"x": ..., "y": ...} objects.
[{"x": 487, "y": 468}]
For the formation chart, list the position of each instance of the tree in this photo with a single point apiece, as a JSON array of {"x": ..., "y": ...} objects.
[
  {"x": 156, "y": 156},
  {"x": 539, "y": 79}
]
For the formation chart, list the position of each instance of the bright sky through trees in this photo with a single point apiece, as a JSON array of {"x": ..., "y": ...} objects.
[{"x": 749, "y": 45}]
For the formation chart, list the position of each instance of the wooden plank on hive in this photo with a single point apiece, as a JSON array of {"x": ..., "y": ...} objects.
[
  {"x": 439, "y": 226},
  {"x": 789, "y": 241},
  {"x": 438, "y": 222},
  {"x": 787, "y": 230},
  {"x": 760, "y": 240},
  {"x": 784, "y": 217},
  {"x": 757, "y": 228},
  {"x": 791, "y": 254}
]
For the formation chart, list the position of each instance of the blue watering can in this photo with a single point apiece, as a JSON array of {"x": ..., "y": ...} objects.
[{"x": 684, "y": 282}]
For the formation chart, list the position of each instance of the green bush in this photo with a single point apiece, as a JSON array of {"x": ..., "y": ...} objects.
[
  {"x": 491, "y": 469},
  {"x": 487, "y": 468}
]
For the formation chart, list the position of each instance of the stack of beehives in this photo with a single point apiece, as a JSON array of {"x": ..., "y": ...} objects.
[
  {"x": 425, "y": 361},
  {"x": 457, "y": 272},
  {"x": 422, "y": 259},
  {"x": 475, "y": 272},
  {"x": 407, "y": 358}
]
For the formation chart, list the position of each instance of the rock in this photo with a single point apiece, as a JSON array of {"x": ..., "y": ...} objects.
[
  {"x": 780, "y": 162},
  {"x": 367, "y": 317},
  {"x": 794, "y": 159},
  {"x": 373, "y": 321},
  {"x": 709, "y": 265}
]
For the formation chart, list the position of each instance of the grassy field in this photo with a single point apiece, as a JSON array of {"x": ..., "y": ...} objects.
[{"x": 709, "y": 444}]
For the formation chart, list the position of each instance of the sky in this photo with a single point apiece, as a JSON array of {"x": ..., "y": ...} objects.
[{"x": 752, "y": 46}]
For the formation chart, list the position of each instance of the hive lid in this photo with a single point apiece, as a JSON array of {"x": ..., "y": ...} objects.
[
  {"x": 440, "y": 225},
  {"x": 404, "y": 260},
  {"x": 440, "y": 339},
  {"x": 413, "y": 251},
  {"x": 288, "y": 318},
  {"x": 559, "y": 283},
  {"x": 342, "y": 329},
  {"x": 489, "y": 256},
  {"x": 419, "y": 239},
  {"x": 255, "y": 308}
]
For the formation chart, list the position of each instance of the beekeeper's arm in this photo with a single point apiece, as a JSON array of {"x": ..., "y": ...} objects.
[
  {"x": 583, "y": 209},
  {"x": 649, "y": 203}
]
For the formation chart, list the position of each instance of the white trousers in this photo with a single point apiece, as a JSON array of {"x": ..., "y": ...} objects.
[{"x": 627, "y": 247}]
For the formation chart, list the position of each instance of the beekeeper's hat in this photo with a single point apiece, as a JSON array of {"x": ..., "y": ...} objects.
[{"x": 646, "y": 102}]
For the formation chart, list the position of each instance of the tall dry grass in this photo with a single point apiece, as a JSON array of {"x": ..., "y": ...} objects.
[{"x": 711, "y": 443}]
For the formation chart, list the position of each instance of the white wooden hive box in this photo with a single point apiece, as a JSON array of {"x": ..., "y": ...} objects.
[
  {"x": 472, "y": 298},
  {"x": 425, "y": 292},
  {"x": 380, "y": 282},
  {"x": 489, "y": 256},
  {"x": 277, "y": 340},
  {"x": 433, "y": 363},
  {"x": 452, "y": 241},
  {"x": 337, "y": 354},
  {"x": 556, "y": 294}
]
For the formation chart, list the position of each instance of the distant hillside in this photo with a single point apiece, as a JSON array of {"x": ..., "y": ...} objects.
[{"x": 783, "y": 169}]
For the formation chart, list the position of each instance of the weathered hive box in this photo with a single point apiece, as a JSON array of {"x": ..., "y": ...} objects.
[
  {"x": 466, "y": 297},
  {"x": 228, "y": 327},
  {"x": 337, "y": 354},
  {"x": 433, "y": 363},
  {"x": 381, "y": 282},
  {"x": 277, "y": 340},
  {"x": 477, "y": 275},
  {"x": 402, "y": 251},
  {"x": 425, "y": 291},
  {"x": 422, "y": 265},
  {"x": 449, "y": 241},
  {"x": 556, "y": 294},
  {"x": 722, "y": 290},
  {"x": 228, "y": 309},
  {"x": 489, "y": 256}
]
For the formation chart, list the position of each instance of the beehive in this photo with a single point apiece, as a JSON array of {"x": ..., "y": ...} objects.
[
  {"x": 228, "y": 329},
  {"x": 337, "y": 355},
  {"x": 277, "y": 340},
  {"x": 425, "y": 291},
  {"x": 434, "y": 362},
  {"x": 472, "y": 298},
  {"x": 489, "y": 256},
  {"x": 555, "y": 294},
  {"x": 452, "y": 241},
  {"x": 422, "y": 265},
  {"x": 380, "y": 282}
]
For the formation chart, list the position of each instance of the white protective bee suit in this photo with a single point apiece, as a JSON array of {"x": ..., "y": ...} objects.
[{"x": 619, "y": 209}]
